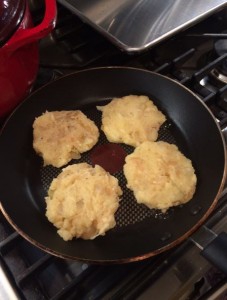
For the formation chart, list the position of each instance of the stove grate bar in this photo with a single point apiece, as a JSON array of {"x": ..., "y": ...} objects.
[
  {"x": 113, "y": 277},
  {"x": 210, "y": 98},
  {"x": 204, "y": 71},
  {"x": 62, "y": 33},
  {"x": 101, "y": 281},
  {"x": 183, "y": 57},
  {"x": 171, "y": 67},
  {"x": 222, "y": 98},
  {"x": 74, "y": 288},
  {"x": 163, "y": 68},
  {"x": 8, "y": 243},
  {"x": 141, "y": 280},
  {"x": 220, "y": 211},
  {"x": 223, "y": 122},
  {"x": 223, "y": 90},
  {"x": 220, "y": 95},
  {"x": 34, "y": 269},
  {"x": 185, "y": 80},
  {"x": 216, "y": 101}
]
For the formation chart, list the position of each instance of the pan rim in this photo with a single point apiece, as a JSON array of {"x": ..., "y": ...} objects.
[{"x": 157, "y": 251}]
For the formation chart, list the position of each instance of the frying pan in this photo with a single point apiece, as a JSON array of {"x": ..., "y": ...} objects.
[{"x": 140, "y": 232}]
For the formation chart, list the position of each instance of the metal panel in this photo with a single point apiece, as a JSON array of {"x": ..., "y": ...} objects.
[{"x": 135, "y": 25}]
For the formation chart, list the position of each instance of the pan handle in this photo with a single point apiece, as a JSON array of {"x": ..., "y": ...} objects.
[{"x": 213, "y": 246}]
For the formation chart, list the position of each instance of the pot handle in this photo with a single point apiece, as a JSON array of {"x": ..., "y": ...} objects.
[
  {"x": 216, "y": 252},
  {"x": 29, "y": 35},
  {"x": 213, "y": 246}
]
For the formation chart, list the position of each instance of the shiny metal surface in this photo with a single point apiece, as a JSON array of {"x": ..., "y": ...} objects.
[
  {"x": 6, "y": 290},
  {"x": 203, "y": 237},
  {"x": 135, "y": 25}
]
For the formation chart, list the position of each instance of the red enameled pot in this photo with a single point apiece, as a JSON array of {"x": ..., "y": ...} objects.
[{"x": 19, "y": 55}]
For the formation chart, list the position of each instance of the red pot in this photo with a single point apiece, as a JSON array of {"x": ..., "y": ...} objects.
[{"x": 19, "y": 55}]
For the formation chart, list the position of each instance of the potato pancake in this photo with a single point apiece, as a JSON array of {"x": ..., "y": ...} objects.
[
  {"x": 82, "y": 201},
  {"x": 131, "y": 120},
  {"x": 60, "y": 136},
  {"x": 159, "y": 175}
]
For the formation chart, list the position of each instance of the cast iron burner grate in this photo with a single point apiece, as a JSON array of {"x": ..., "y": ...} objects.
[{"x": 41, "y": 276}]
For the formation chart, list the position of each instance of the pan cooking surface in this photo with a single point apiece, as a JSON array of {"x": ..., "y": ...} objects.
[
  {"x": 140, "y": 232},
  {"x": 129, "y": 212}
]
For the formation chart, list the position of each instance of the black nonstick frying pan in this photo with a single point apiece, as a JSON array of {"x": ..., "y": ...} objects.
[{"x": 140, "y": 232}]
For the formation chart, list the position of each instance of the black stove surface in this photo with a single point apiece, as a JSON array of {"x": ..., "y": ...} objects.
[{"x": 194, "y": 58}]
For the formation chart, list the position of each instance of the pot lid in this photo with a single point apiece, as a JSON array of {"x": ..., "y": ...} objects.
[{"x": 11, "y": 14}]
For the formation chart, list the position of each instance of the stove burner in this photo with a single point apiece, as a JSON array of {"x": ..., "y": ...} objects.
[
  {"x": 219, "y": 75},
  {"x": 220, "y": 47},
  {"x": 220, "y": 72}
]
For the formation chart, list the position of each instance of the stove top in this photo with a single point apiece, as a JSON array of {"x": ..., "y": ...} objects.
[{"x": 195, "y": 58}]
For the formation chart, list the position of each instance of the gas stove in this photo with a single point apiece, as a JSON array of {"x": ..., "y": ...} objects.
[{"x": 197, "y": 58}]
